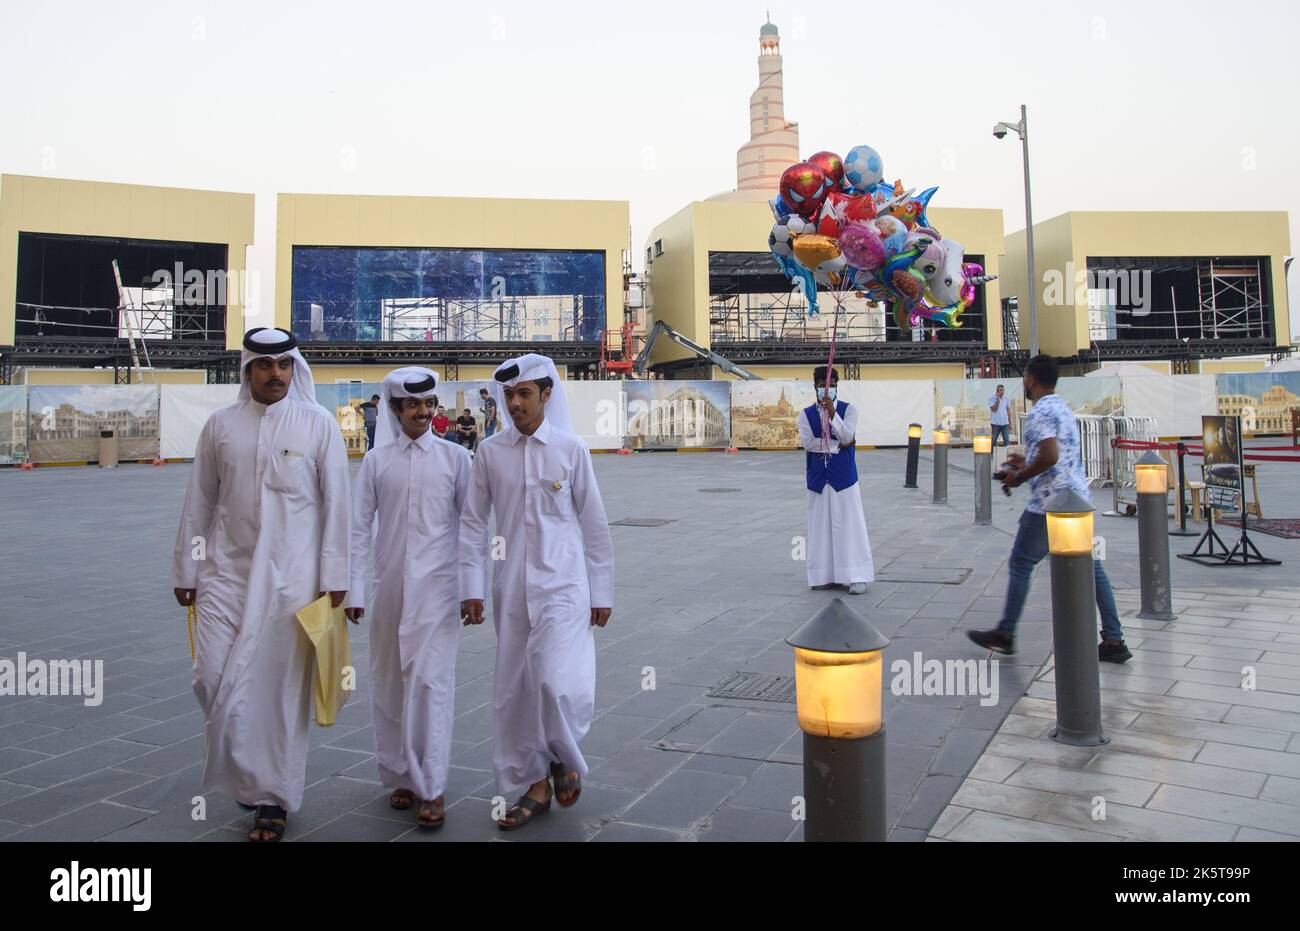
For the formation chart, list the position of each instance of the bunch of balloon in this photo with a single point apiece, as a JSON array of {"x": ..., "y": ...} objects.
[{"x": 840, "y": 226}]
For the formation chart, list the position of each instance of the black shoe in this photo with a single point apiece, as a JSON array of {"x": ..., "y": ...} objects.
[
  {"x": 1113, "y": 652},
  {"x": 994, "y": 640}
]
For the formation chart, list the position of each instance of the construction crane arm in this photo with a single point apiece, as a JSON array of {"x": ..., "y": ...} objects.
[{"x": 643, "y": 357}]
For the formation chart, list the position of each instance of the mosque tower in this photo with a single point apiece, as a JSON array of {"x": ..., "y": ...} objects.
[{"x": 773, "y": 144}]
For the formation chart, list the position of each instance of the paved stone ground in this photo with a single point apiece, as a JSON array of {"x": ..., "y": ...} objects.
[
  {"x": 1192, "y": 755},
  {"x": 85, "y": 574}
]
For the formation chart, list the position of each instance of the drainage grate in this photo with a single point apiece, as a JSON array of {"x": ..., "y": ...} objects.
[
  {"x": 640, "y": 522},
  {"x": 753, "y": 686},
  {"x": 719, "y": 491}
]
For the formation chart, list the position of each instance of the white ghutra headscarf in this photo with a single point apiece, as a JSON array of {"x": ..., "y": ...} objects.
[
  {"x": 410, "y": 382},
  {"x": 273, "y": 343},
  {"x": 530, "y": 367}
]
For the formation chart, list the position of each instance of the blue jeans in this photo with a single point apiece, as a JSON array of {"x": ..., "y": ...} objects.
[
  {"x": 1028, "y": 551},
  {"x": 1004, "y": 429}
]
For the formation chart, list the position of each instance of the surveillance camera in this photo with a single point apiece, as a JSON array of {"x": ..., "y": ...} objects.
[{"x": 999, "y": 131}]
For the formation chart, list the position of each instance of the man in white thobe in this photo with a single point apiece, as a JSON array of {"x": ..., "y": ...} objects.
[
  {"x": 555, "y": 582},
  {"x": 414, "y": 483},
  {"x": 264, "y": 532},
  {"x": 838, "y": 549}
]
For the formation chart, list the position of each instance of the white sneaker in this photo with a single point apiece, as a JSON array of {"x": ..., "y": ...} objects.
[{"x": 857, "y": 588}]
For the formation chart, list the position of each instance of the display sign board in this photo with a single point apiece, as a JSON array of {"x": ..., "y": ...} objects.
[{"x": 1222, "y": 438}]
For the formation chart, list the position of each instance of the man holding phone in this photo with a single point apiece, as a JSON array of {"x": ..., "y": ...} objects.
[{"x": 1052, "y": 464}]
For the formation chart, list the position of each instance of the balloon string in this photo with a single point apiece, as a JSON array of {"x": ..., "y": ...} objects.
[
  {"x": 191, "y": 617},
  {"x": 830, "y": 363}
]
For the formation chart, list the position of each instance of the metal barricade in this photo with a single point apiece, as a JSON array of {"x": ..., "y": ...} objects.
[{"x": 1122, "y": 475}]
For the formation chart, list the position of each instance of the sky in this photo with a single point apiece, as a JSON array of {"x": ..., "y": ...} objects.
[{"x": 1137, "y": 105}]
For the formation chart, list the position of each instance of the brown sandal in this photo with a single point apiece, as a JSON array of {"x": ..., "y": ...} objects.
[
  {"x": 436, "y": 810},
  {"x": 401, "y": 799},
  {"x": 531, "y": 809},
  {"x": 564, "y": 784}
]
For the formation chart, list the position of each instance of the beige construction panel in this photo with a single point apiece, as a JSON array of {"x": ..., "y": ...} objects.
[{"x": 93, "y": 208}]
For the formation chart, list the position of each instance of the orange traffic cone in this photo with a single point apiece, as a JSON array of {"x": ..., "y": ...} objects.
[{"x": 26, "y": 466}]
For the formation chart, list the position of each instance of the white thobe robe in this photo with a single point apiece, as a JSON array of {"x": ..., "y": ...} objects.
[
  {"x": 415, "y": 488},
  {"x": 838, "y": 551},
  {"x": 264, "y": 531},
  {"x": 558, "y": 564}
]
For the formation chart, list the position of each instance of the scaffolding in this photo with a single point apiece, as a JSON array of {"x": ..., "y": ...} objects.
[
  {"x": 783, "y": 317},
  {"x": 1231, "y": 298}
]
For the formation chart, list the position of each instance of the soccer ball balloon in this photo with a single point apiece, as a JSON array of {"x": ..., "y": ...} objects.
[
  {"x": 781, "y": 239},
  {"x": 863, "y": 169}
]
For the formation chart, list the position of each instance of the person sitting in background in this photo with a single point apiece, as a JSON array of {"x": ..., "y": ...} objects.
[
  {"x": 468, "y": 429},
  {"x": 441, "y": 424}
]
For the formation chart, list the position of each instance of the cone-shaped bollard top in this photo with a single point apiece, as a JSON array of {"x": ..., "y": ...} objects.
[
  {"x": 837, "y": 628},
  {"x": 1150, "y": 458},
  {"x": 1069, "y": 502}
]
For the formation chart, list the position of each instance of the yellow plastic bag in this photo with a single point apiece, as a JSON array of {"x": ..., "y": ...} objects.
[{"x": 327, "y": 629}]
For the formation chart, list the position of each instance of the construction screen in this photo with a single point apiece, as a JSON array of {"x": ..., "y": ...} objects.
[{"x": 353, "y": 294}]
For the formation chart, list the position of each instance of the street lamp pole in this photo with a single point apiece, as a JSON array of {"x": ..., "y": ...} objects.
[{"x": 1021, "y": 129}]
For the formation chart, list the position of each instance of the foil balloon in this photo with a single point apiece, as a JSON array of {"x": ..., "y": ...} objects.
[
  {"x": 860, "y": 208},
  {"x": 863, "y": 169},
  {"x": 803, "y": 187},
  {"x": 830, "y": 221},
  {"x": 862, "y": 246},
  {"x": 780, "y": 241},
  {"x": 831, "y": 273},
  {"x": 814, "y": 249},
  {"x": 831, "y": 166},
  {"x": 893, "y": 232}
]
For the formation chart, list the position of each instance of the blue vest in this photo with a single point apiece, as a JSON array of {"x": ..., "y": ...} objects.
[{"x": 840, "y": 471}]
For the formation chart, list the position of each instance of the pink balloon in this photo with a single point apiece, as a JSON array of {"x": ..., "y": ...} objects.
[{"x": 861, "y": 246}]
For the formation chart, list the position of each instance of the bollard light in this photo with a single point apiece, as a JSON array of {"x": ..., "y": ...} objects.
[
  {"x": 913, "y": 454},
  {"x": 838, "y": 694},
  {"x": 1074, "y": 620},
  {"x": 838, "y": 686},
  {"x": 983, "y": 445},
  {"x": 1069, "y": 525},
  {"x": 940, "y": 466},
  {"x": 1152, "y": 474},
  {"x": 1153, "y": 538}
]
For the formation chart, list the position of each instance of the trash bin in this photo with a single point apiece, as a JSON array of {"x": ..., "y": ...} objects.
[{"x": 107, "y": 449}]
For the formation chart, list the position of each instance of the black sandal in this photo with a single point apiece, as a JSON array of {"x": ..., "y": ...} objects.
[
  {"x": 564, "y": 784},
  {"x": 271, "y": 818},
  {"x": 401, "y": 799},
  {"x": 527, "y": 804}
]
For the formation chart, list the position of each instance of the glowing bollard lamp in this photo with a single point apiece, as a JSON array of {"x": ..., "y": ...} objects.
[
  {"x": 1074, "y": 625},
  {"x": 913, "y": 454},
  {"x": 983, "y": 479},
  {"x": 1153, "y": 537},
  {"x": 838, "y": 668},
  {"x": 940, "y": 466}
]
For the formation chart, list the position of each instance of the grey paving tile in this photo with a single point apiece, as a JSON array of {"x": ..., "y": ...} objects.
[
  {"x": 638, "y": 834},
  {"x": 730, "y": 824},
  {"x": 635, "y": 768},
  {"x": 96, "y": 820},
  {"x": 985, "y": 826},
  {"x": 58, "y": 769},
  {"x": 44, "y": 804},
  {"x": 931, "y": 797},
  {"x": 1250, "y": 758},
  {"x": 1232, "y": 809},
  {"x": 682, "y": 799}
]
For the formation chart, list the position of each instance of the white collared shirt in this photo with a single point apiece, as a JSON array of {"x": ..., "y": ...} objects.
[
  {"x": 415, "y": 488},
  {"x": 550, "y": 515}
]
